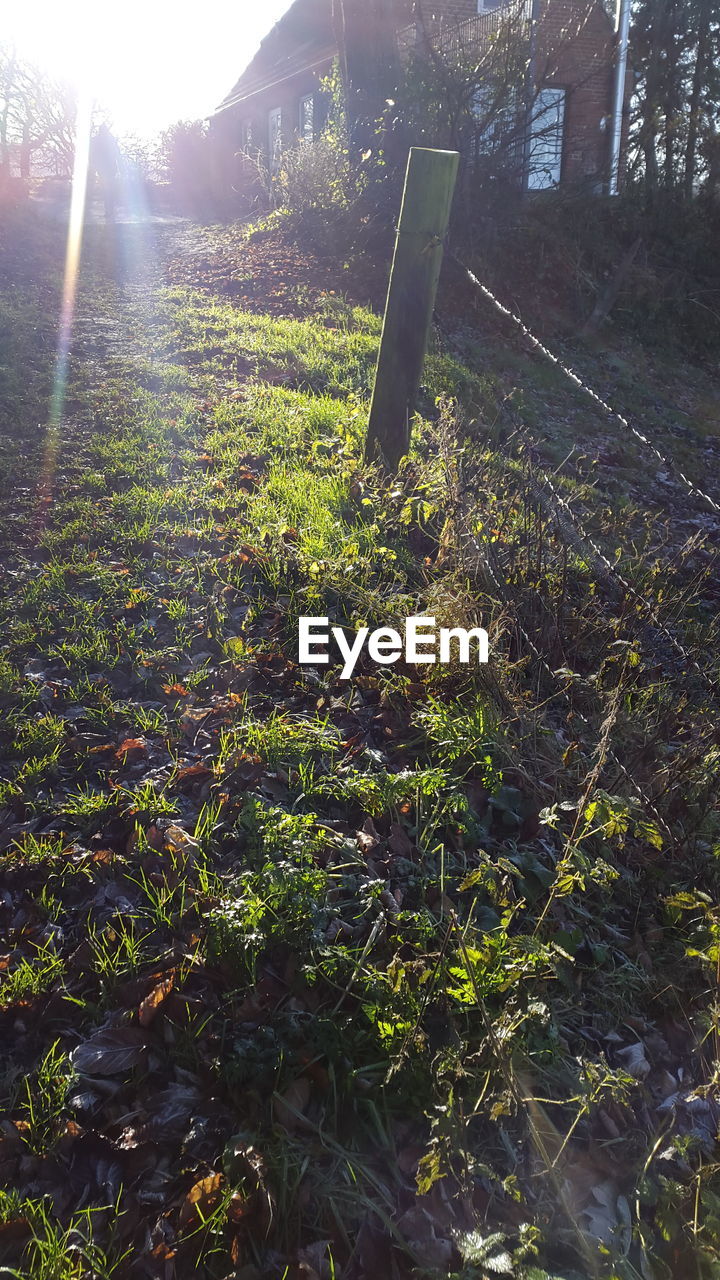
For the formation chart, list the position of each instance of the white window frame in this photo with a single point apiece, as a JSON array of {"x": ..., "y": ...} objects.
[
  {"x": 307, "y": 118},
  {"x": 546, "y": 139}
]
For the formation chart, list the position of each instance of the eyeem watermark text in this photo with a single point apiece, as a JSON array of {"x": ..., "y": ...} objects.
[{"x": 421, "y": 642}]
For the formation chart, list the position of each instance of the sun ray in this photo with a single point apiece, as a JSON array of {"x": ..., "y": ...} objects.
[{"x": 69, "y": 296}]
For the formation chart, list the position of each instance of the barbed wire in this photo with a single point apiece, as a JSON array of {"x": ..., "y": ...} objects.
[
  {"x": 485, "y": 555},
  {"x": 605, "y": 568},
  {"x": 578, "y": 382},
  {"x": 630, "y": 591}
]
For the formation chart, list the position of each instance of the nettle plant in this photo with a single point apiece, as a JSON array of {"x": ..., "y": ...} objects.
[
  {"x": 604, "y": 819},
  {"x": 281, "y": 901}
]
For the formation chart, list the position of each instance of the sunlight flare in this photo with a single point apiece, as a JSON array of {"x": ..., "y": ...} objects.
[
  {"x": 67, "y": 310},
  {"x": 72, "y": 254}
]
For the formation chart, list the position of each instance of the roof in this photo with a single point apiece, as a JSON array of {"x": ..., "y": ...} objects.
[{"x": 303, "y": 38}]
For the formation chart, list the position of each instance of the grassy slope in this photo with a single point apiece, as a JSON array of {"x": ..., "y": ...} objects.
[{"x": 273, "y": 939}]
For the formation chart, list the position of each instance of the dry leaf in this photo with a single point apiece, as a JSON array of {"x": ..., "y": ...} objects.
[
  {"x": 150, "y": 1006},
  {"x": 368, "y": 838},
  {"x": 192, "y": 774},
  {"x": 110, "y": 1052},
  {"x": 179, "y": 841},
  {"x": 131, "y": 749},
  {"x": 200, "y": 1201},
  {"x": 634, "y": 1061},
  {"x": 399, "y": 841}
]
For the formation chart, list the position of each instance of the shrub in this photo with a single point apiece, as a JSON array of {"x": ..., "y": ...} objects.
[
  {"x": 321, "y": 174},
  {"x": 315, "y": 175}
]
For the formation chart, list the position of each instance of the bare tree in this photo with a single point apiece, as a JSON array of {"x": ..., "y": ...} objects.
[
  {"x": 37, "y": 117},
  {"x": 467, "y": 87}
]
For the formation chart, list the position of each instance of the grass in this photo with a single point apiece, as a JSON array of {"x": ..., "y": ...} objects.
[
  {"x": 31, "y": 977},
  {"x": 401, "y": 968},
  {"x": 54, "y": 1253}
]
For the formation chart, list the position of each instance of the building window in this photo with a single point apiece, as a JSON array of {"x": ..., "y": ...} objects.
[
  {"x": 274, "y": 137},
  {"x": 495, "y": 116},
  {"x": 545, "y": 141},
  {"x": 307, "y": 118}
]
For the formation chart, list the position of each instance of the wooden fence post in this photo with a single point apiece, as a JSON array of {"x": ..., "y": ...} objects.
[{"x": 429, "y": 187}]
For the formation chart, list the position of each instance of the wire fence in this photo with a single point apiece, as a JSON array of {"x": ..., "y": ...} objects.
[
  {"x": 669, "y": 464},
  {"x": 607, "y": 568},
  {"x": 486, "y": 555},
  {"x": 610, "y": 570},
  {"x": 579, "y": 534}
]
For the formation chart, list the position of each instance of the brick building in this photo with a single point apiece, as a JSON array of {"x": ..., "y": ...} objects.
[{"x": 566, "y": 120}]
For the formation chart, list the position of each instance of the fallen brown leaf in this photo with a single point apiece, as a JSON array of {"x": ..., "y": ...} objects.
[
  {"x": 109, "y": 1052},
  {"x": 200, "y": 1201},
  {"x": 152, "y": 1003},
  {"x": 131, "y": 749}
]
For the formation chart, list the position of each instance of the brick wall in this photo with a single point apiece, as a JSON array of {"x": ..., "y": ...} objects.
[
  {"x": 575, "y": 45},
  {"x": 575, "y": 52},
  {"x": 287, "y": 97},
  {"x": 228, "y": 128}
]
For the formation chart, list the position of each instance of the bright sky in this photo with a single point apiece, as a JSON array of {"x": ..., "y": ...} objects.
[{"x": 148, "y": 62}]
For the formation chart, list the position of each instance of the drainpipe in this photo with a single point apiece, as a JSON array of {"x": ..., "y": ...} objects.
[{"x": 622, "y": 28}]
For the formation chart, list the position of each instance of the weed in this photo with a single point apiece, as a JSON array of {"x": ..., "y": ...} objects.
[
  {"x": 28, "y": 978},
  {"x": 54, "y": 1252},
  {"x": 422, "y": 910},
  {"x": 118, "y": 952},
  {"x": 42, "y": 1099},
  {"x": 465, "y": 734}
]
